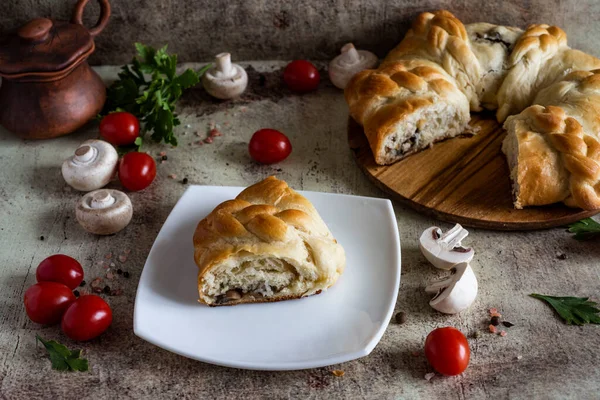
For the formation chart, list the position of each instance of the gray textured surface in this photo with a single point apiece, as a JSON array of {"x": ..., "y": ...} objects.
[
  {"x": 315, "y": 29},
  {"x": 557, "y": 361}
]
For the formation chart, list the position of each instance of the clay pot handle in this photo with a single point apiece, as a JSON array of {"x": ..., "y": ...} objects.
[{"x": 102, "y": 21}]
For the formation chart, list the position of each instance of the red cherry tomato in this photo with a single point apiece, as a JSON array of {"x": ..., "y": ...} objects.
[
  {"x": 62, "y": 269},
  {"x": 301, "y": 76},
  {"x": 269, "y": 146},
  {"x": 136, "y": 171},
  {"x": 88, "y": 317},
  {"x": 120, "y": 128},
  {"x": 447, "y": 350},
  {"x": 46, "y": 302}
]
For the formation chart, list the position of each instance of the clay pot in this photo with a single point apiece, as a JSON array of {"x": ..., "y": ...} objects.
[{"x": 48, "y": 89}]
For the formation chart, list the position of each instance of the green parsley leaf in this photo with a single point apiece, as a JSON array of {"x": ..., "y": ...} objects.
[
  {"x": 152, "y": 100},
  {"x": 585, "y": 229},
  {"x": 573, "y": 310},
  {"x": 62, "y": 358}
]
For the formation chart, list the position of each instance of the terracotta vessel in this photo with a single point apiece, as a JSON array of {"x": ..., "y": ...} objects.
[{"x": 48, "y": 89}]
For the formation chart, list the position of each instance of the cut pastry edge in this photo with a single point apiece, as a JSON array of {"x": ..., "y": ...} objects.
[
  {"x": 417, "y": 131},
  {"x": 260, "y": 280}
]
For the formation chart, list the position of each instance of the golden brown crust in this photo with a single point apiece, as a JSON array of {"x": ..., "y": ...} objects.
[
  {"x": 437, "y": 58},
  {"x": 379, "y": 99},
  {"x": 545, "y": 134},
  {"x": 268, "y": 219}
]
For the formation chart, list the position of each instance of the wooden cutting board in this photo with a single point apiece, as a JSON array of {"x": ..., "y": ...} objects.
[{"x": 463, "y": 180}]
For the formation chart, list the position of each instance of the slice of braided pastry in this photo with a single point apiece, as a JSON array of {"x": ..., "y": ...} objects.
[
  {"x": 268, "y": 244},
  {"x": 406, "y": 106},
  {"x": 552, "y": 159}
]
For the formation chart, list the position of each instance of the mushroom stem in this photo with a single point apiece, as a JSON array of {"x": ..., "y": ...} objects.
[
  {"x": 454, "y": 236},
  {"x": 223, "y": 61},
  {"x": 350, "y": 53},
  {"x": 85, "y": 154},
  {"x": 102, "y": 199}
]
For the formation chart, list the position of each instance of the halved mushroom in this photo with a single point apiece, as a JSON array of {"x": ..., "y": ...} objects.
[
  {"x": 444, "y": 250},
  {"x": 226, "y": 80},
  {"x": 104, "y": 211},
  {"x": 349, "y": 63},
  {"x": 455, "y": 293},
  {"x": 92, "y": 166}
]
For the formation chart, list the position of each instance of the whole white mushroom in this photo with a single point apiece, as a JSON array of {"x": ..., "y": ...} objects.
[
  {"x": 349, "y": 63},
  {"x": 104, "y": 211},
  {"x": 91, "y": 166},
  {"x": 225, "y": 80}
]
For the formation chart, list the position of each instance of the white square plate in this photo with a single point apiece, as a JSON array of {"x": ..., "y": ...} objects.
[{"x": 341, "y": 324}]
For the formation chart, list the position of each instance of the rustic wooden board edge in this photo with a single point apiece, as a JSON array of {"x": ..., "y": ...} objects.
[{"x": 453, "y": 218}]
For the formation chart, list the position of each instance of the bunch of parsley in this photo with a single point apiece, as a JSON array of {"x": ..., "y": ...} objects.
[{"x": 149, "y": 89}]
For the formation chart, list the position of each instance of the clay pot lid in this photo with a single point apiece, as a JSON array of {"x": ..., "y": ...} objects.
[{"x": 45, "y": 46}]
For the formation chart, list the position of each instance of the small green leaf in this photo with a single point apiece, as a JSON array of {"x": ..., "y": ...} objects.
[
  {"x": 585, "y": 229},
  {"x": 62, "y": 358},
  {"x": 138, "y": 142},
  {"x": 573, "y": 310},
  {"x": 188, "y": 79}
]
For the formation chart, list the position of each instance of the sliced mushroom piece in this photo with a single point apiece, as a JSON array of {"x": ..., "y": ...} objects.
[
  {"x": 444, "y": 250},
  {"x": 104, "y": 211},
  {"x": 349, "y": 63},
  {"x": 92, "y": 165},
  {"x": 226, "y": 80},
  {"x": 456, "y": 292}
]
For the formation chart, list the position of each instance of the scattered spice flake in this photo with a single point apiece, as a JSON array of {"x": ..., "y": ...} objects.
[
  {"x": 429, "y": 375},
  {"x": 97, "y": 290},
  {"x": 127, "y": 251},
  {"x": 116, "y": 292},
  {"x": 100, "y": 262},
  {"x": 338, "y": 372},
  {"x": 162, "y": 153},
  {"x": 173, "y": 176},
  {"x": 502, "y": 333},
  {"x": 83, "y": 292},
  {"x": 214, "y": 132},
  {"x": 108, "y": 256},
  {"x": 492, "y": 329},
  {"x": 110, "y": 276},
  {"x": 495, "y": 321},
  {"x": 112, "y": 264},
  {"x": 122, "y": 258},
  {"x": 211, "y": 124},
  {"x": 496, "y": 315},
  {"x": 197, "y": 133},
  {"x": 96, "y": 282},
  {"x": 199, "y": 143},
  {"x": 493, "y": 311},
  {"x": 243, "y": 109},
  {"x": 416, "y": 353},
  {"x": 208, "y": 140},
  {"x": 162, "y": 161}
]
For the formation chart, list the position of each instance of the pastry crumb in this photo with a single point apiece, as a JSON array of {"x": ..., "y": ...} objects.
[{"x": 338, "y": 372}]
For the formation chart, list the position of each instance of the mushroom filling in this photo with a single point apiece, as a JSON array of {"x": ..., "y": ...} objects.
[
  {"x": 493, "y": 37},
  {"x": 253, "y": 278}
]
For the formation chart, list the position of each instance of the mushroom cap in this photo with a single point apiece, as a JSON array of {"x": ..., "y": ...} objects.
[
  {"x": 225, "y": 83},
  {"x": 456, "y": 293},
  {"x": 110, "y": 216},
  {"x": 343, "y": 67},
  {"x": 91, "y": 166},
  {"x": 441, "y": 256}
]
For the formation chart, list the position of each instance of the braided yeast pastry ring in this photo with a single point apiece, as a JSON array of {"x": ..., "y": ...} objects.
[{"x": 268, "y": 244}]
